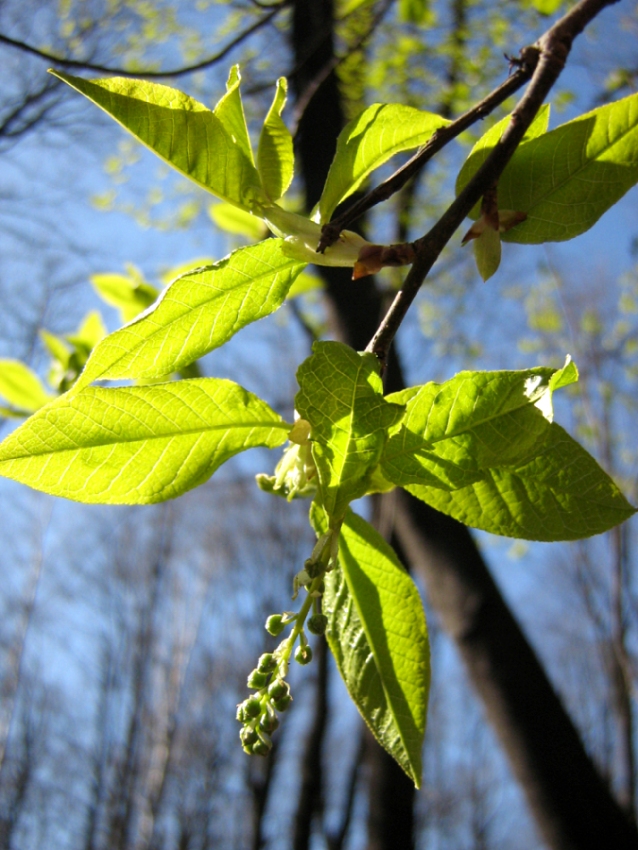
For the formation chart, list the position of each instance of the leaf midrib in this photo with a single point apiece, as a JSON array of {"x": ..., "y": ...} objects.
[
  {"x": 184, "y": 432},
  {"x": 582, "y": 167}
]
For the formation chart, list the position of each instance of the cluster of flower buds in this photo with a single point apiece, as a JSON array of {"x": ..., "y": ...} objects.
[{"x": 258, "y": 713}]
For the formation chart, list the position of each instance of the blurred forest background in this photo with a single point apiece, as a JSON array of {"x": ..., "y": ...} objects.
[{"x": 127, "y": 633}]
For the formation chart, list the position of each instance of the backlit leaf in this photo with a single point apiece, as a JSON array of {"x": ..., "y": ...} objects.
[
  {"x": 138, "y": 445},
  {"x": 275, "y": 158},
  {"x": 198, "y": 312},
  {"x": 567, "y": 178},
  {"x": 377, "y": 633},
  {"x": 210, "y": 148},
  {"x": 380, "y": 132},
  {"x": 21, "y": 387}
]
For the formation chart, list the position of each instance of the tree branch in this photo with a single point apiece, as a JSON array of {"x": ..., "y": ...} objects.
[
  {"x": 442, "y": 137},
  {"x": 552, "y": 48},
  {"x": 123, "y": 72}
]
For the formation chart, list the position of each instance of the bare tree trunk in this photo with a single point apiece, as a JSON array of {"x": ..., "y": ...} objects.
[{"x": 573, "y": 808}]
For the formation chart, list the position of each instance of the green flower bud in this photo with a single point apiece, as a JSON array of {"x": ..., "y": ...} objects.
[
  {"x": 282, "y": 703},
  {"x": 317, "y": 624},
  {"x": 274, "y": 625},
  {"x": 248, "y": 736},
  {"x": 248, "y": 749},
  {"x": 267, "y": 663},
  {"x": 241, "y": 713},
  {"x": 261, "y": 748},
  {"x": 303, "y": 654},
  {"x": 257, "y": 680},
  {"x": 268, "y": 723},
  {"x": 278, "y": 689},
  {"x": 251, "y": 707}
]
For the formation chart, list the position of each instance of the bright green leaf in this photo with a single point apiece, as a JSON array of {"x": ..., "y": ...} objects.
[
  {"x": 230, "y": 112},
  {"x": 90, "y": 332},
  {"x": 275, "y": 158},
  {"x": 480, "y": 446},
  {"x": 199, "y": 312},
  {"x": 452, "y": 432},
  {"x": 21, "y": 387},
  {"x": 341, "y": 395},
  {"x": 566, "y": 179},
  {"x": 380, "y": 132},
  {"x": 377, "y": 633},
  {"x": 128, "y": 296},
  {"x": 208, "y": 147},
  {"x": 560, "y": 494},
  {"x": 138, "y": 445},
  {"x": 233, "y": 220},
  {"x": 56, "y": 346}
]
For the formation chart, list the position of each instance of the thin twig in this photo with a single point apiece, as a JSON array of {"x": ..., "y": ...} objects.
[
  {"x": 553, "y": 49},
  {"x": 443, "y": 136},
  {"x": 123, "y": 72}
]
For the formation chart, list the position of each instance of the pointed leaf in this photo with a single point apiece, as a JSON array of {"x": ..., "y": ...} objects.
[
  {"x": 197, "y": 313},
  {"x": 341, "y": 395},
  {"x": 208, "y": 147},
  {"x": 377, "y": 633},
  {"x": 566, "y": 179},
  {"x": 21, "y": 387},
  {"x": 230, "y": 112},
  {"x": 380, "y": 132},
  {"x": 138, "y": 445},
  {"x": 275, "y": 158},
  {"x": 561, "y": 494}
]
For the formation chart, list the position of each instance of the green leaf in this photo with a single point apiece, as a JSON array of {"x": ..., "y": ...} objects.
[
  {"x": 560, "y": 494},
  {"x": 377, "y": 633},
  {"x": 547, "y": 7},
  {"x": 233, "y": 220},
  {"x": 56, "y": 346},
  {"x": 487, "y": 252},
  {"x": 210, "y": 148},
  {"x": 341, "y": 395},
  {"x": 138, "y": 445},
  {"x": 199, "y": 312},
  {"x": 275, "y": 158},
  {"x": 305, "y": 283},
  {"x": 90, "y": 332},
  {"x": 380, "y": 132},
  {"x": 482, "y": 448},
  {"x": 230, "y": 112},
  {"x": 485, "y": 145},
  {"x": 451, "y": 432},
  {"x": 21, "y": 387},
  {"x": 566, "y": 179},
  {"x": 130, "y": 297}
]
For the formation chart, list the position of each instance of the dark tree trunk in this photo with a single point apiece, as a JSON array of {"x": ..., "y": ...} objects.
[{"x": 573, "y": 808}]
